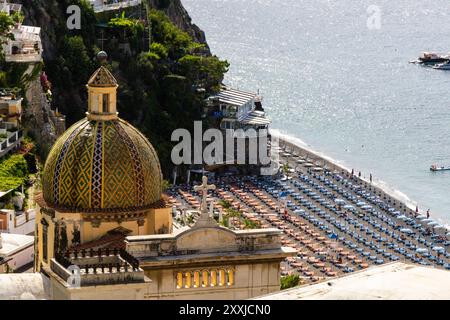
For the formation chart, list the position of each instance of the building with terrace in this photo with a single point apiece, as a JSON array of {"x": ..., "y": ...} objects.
[
  {"x": 11, "y": 133},
  {"x": 241, "y": 114},
  {"x": 16, "y": 251},
  {"x": 235, "y": 109},
  {"x": 110, "y": 5},
  {"x": 26, "y": 45}
]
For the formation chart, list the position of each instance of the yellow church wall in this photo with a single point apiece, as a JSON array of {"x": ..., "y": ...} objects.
[
  {"x": 131, "y": 291},
  {"x": 90, "y": 233},
  {"x": 40, "y": 241},
  {"x": 250, "y": 280},
  {"x": 157, "y": 219}
]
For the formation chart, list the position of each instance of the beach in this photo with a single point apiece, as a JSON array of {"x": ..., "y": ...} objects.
[
  {"x": 336, "y": 222},
  {"x": 300, "y": 148}
]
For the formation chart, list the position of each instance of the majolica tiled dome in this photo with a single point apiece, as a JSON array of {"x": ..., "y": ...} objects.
[{"x": 102, "y": 166}]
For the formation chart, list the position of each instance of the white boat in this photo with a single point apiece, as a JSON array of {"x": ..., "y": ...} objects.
[
  {"x": 431, "y": 58},
  {"x": 442, "y": 66},
  {"x": 441, "y": 168}
]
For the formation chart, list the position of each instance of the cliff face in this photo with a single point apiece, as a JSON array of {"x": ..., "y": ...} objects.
[{"x": 180, "y": 17}]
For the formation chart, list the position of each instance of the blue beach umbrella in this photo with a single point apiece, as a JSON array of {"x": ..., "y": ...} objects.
[{"x": 439, "y": 249}]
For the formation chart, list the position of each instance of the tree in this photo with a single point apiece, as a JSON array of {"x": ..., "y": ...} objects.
[
  {"x": 6, "y": 23},
  {"x": 76, "y": 58},
  {"x": 290, "y": 281}
]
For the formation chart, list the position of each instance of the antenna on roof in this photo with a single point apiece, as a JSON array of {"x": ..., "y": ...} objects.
[{"x": 102, "y": 39}]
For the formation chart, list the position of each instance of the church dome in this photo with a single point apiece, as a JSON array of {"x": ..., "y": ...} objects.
[
  {"x": 102, "y": 166},
  {"x": 102, "y": 163}
]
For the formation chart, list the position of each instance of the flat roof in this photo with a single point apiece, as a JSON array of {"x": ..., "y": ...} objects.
[
  {"x": 11, "y": 243},
  {"x": 22, "y": 286},
  {"x": 394, "y": 281}
]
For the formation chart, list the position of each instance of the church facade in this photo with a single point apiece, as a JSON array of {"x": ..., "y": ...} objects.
[{"x": 104, "y": 230}]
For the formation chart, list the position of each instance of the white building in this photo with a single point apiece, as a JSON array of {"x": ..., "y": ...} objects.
[
  {"x": 17, "y": 222},
  {"x": 107, "y": 5},
  {"x": 237, "y": 109},
  {"x": 27, "y": 45},
  {"x": 16, "y": 251},
  {"x": 394, "y": 281}
]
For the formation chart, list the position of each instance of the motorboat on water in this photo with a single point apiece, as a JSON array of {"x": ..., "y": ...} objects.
[
  {"x": 439, "y": 168},
  {"x": 442, "y": 66},
  {"x": 431, "y": 58}
]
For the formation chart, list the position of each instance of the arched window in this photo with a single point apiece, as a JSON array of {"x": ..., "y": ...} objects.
[
  {"x": 213, "y": 278},
  {"x": 179, "y": 280},
  {"x": 222, "y": 280},
  {"x": 205, "y": 278},
  {"x": 188, "y": 280},
  {"x": 230, "y": 277},
  {"x": 196, "y": 279},
  {"x": 106, "y": 107}
]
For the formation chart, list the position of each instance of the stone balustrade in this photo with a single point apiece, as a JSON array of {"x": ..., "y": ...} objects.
[{"x": 98, "y": 267}]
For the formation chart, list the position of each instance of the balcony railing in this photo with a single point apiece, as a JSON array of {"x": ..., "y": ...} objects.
[
  {"x": 116, "y": 6},
  {"x": 11, "y": 142},
  {"x": 23, "y": 57},
  {"x": 99, "y": 267}
]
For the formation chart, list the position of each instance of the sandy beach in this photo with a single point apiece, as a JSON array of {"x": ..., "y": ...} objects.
[{"x": 397, "y": 197}]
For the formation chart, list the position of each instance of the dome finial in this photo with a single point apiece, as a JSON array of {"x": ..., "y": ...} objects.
[{"x": 102, "y": 57}]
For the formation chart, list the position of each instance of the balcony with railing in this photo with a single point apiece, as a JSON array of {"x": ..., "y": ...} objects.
[
  {"x": 10, "y": 138},
  {"x": 98, "y": 267},
  {"x": 105, "y": 5}
]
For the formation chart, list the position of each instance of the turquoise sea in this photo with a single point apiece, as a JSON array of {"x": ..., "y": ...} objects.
[{"x": 346, "y": 90}]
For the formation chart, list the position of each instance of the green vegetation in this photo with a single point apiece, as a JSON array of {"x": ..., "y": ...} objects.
[
  {"x": 290, "y": 281},
  {"x": 225, "y": 204},
  {"x": 233, "y": 213},
  {"x": 6, "y": 23},
  {"x": 13, "y": 172},
  {"x": 17, "y": 17},
  {"x": 165, "y": 185},
  {"x": 285, "y": 168},
  {"x": 225, "y": 222},
  {"x": 249, "y": 224}
]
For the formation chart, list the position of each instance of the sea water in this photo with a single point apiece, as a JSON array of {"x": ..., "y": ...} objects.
[{"x": 341, "y": 83}]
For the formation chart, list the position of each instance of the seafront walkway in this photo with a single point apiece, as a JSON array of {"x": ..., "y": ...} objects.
[{"x": 337, "y": 222}]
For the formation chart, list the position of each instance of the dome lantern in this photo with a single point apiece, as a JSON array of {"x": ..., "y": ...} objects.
[{"x": 102, "y": 96}]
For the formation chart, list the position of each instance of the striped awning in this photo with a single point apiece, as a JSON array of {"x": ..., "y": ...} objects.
[
  {"x": 255, "y": 118},
  {"x": 235, "y": 97}
]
